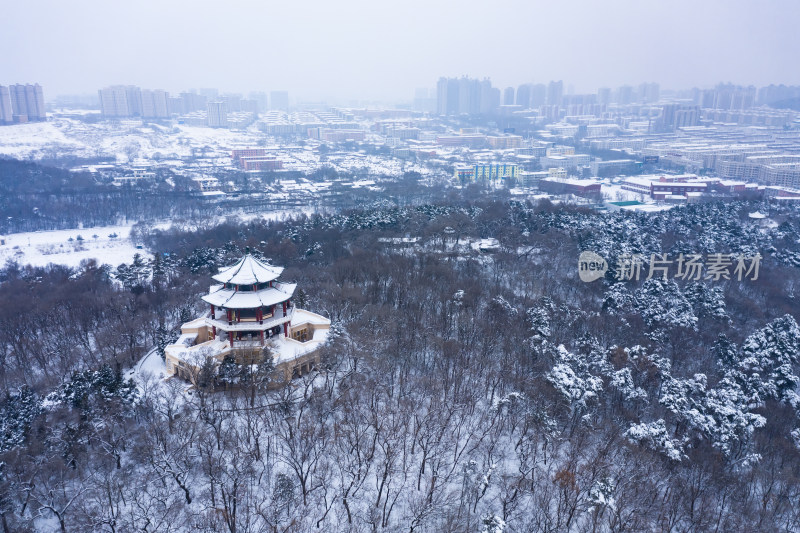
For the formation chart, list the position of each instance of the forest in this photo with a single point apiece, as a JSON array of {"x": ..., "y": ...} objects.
[
  {"x": 39, "y": 197},
  {"x": 462, "y": 390}
]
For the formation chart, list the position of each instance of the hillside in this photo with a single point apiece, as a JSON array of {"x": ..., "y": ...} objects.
[{"x": 464, "y": 390}]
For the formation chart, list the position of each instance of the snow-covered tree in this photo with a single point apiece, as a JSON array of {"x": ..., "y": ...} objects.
[
  {"x": 570, "y": 376},
  {"x": 768, "y": 359},
  {"x": 707, "y": 301},
  {"x": 654, "y": 435}
]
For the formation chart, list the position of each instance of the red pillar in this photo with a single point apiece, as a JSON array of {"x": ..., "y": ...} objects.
[
  {"x": 261, "y": 337},
  {"x": 230, "y": 337},
  {"x": 212, "y": 311},
  {"x": 284, "y": 308},
  {"x": 214, "y": 331},
  {"x": 285, "y": 329},
  {"x": 230, "y": 319}
]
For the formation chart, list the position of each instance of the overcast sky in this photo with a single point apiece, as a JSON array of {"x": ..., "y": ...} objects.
[{"x": 385, "y": 49}]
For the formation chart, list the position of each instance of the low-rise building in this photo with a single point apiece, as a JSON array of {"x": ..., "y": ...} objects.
[
  {"x": 567, "y": 161},
  {"x": 578, "y": 187},
  {"x": 486, "y": 171},
  {"x": 475, "y": 139},
  {"x": 260, "y": 163}
]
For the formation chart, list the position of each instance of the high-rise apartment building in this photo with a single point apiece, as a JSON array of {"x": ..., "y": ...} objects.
[
  {"x": 6, "y": 114},
  {"x": 447, "y": 94},
  {"x": 469, "y": 96},
  {"x": 193, "y": 102},
  {"x": 727, "y": 97},
  {"x": 121, "y": 101},
  {"x": 22, "y": 103},
  {"x": 538, "y": 95},
  {"x": 555, "y": 92},
  {"x": 649, "y": 93},
  {"x": 175, "y": 105},
  {"x": 524, "y": 95},
  {"x": 113, "y": 101},
  {"x": 489, "y": 97},
  {"x": 217, "y": 114},
  {"x": 625, "y": 95},
  {"x": 233, "y": 102},
  {"x": 134, "y": 100},
  {"x": 508, "y": 96},
  {"x": 776, "y": 93},
  {"x": 155, "y": 104},
  {"x": 674, "y": 116},
  {"x": 604, "y": 96},
  {"x": 466, "y": 96}
]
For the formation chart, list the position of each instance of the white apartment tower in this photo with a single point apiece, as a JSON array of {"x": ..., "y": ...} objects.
[
  {"x": 155, "y": 104},
  {"x": 121, "y": 101},
  {"x": 6, "y": 115},
  {"x": 217, "y": 115},
  {"x": 22, "y": 103},
  {"x": 114, "y": 101}
]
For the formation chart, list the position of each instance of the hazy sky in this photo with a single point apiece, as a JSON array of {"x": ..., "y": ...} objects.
[{"x": 384, "y": 49}]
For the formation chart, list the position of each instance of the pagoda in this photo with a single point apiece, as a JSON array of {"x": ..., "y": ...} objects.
[
  {"x": 249, "y": 309},
  {"x": 249, "y": 301}
]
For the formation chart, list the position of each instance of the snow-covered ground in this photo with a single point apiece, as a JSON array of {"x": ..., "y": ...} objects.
[
  {"x": 151, "y": 365},
  {"x": 613, "y": 192},
  {"x": 132, "y": 140},
  {"x": 40, "y": 248},
  {"x": 123, "y": 140}
]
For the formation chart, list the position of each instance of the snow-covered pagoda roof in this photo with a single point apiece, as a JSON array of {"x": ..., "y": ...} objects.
[
  {"x": 232, "y": 299},
  {"x": 247, "y": 271}
]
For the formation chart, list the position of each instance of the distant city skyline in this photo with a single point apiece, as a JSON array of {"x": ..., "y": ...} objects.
[{"x": 365, "y": 51}]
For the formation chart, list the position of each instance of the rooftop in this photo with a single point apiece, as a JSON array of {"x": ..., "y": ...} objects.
[
  {"x": 232, "y": 299},
  {"x": 248, "y": 271}
]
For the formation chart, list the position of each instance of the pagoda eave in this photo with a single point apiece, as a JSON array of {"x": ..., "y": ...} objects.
[
  {"x": 264, "y": 325},
  {"x": 232, "y": 299}
]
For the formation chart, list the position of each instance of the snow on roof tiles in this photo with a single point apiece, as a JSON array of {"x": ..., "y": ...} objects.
[
  {"x": 247, "y": 271},
  {"x": 232, "y": 299}
]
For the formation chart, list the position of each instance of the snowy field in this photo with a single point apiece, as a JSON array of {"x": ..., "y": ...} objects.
[
  {"x": 40, "y": 248},
  {"x": 124, "y": 140}
]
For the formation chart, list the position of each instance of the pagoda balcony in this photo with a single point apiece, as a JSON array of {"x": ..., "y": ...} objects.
[{"x": 220, "y": 321}]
